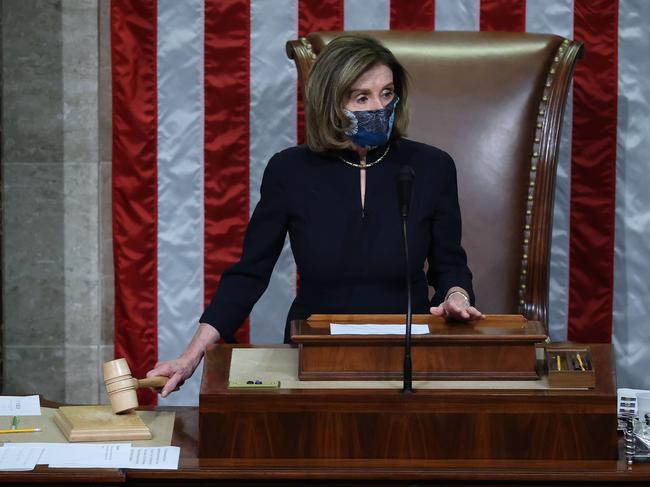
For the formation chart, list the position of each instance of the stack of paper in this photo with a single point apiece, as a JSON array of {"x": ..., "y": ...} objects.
[
  {"x": 95, "y": 455},
  {"x": 375, "y": 329},
  {"x": 20, "y": 458},
  {"x": 20, "y": 406},
  {"x": 627, "y": 401},
  {"x": 159, "y": 458},
  {"x": 628, "y": 404}
]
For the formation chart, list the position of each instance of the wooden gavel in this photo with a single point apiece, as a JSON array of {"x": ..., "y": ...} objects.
[{"x": 121, "y": 386}]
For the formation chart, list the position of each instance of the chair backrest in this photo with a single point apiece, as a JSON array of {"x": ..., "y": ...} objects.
[{"x": 495, "y": 102}]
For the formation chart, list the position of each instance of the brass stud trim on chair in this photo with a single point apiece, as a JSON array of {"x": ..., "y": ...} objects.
[
  {"x": 307, "y": 45},
  {"x": 541, "y": 118}
]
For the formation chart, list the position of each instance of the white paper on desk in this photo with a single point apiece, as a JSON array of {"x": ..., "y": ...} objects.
[
  {"x": 627, "y": 404},
  {"x": 158, "y": 458},
  {"x": 88, "y": 455},
  {"x": 47, "y": 449},
  {"x": 627, "y": 401},
  {"x": 20, "y": 406},
  {"x": 20, "y": 458},
  {"x": 375, "y": 329},
  {"x": 96, "y": 455}
]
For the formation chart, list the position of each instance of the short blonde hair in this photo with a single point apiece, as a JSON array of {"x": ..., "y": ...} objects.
[{"x": 330, "y": 80}]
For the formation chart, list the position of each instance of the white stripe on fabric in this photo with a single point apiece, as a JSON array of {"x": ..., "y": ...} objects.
[
  {"x": 366, "y": 14},
  {"x": 272, "y": 128},
  {"x": 458, "y": 14},
  {"x": 631, "y": 333},
  {"x": 180, "y": 182},
  {"x": 556, "y": 17}
]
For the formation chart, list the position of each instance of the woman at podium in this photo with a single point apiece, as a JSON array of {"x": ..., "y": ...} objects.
[{"x": 336, "y": 198}]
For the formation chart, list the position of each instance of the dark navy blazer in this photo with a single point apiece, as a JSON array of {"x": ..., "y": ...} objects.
[{"x": 349, "y": 258}]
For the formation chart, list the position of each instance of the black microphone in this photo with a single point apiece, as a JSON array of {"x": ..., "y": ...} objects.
[{"x": 404, "y": 182}]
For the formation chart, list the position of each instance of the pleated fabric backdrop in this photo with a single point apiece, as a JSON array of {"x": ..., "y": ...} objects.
[{"x": 203, "y": 95}]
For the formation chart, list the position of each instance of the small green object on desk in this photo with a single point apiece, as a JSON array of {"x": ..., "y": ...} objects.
[
  {"x": 253, "y": 384},
  {"x": 14, "y": 423}
]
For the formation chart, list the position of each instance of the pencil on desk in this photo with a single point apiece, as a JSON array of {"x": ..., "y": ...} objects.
[
  {"x": 21, "y": 430},
  {"x": 582, "y": 367}
]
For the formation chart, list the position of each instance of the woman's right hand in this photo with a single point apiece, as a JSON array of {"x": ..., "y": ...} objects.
[
  {"x": 182, "y": 368},
  {"x": 178, "y": 371}
]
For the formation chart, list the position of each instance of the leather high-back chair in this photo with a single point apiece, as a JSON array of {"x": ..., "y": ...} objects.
[{"x": 494, "y": 101}]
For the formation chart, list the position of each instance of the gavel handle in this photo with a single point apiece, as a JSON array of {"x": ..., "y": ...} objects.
[{"x": 155, "y": 382}]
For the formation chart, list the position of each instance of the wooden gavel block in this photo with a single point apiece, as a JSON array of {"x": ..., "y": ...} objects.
[{"x": 121, "y": 386}]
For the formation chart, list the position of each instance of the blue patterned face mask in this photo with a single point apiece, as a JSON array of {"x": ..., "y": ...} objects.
[{"x": 371, "y": 128}]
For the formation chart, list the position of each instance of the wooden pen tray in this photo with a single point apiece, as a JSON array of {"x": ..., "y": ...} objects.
[{"x": 570, "y": 367}]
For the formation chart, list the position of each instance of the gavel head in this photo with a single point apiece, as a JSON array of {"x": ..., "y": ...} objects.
[{"x": 120, "y": 386}]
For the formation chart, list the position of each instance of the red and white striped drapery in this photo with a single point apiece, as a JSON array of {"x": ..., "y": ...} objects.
[{"x": 203, "y": 95}]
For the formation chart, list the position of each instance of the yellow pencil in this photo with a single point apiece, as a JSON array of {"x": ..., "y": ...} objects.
[
  {"x": 559, "y": 363},
  {"x": 582, "y": 367},
  {"x": 21, "y": 430}
]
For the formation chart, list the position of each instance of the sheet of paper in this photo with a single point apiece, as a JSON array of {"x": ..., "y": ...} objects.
[
  {"x": 81, "y": 455},
  {"x": 19, "y": 459},
  {"x": 627, "y": 401},
  {"x": 20, "y": 406},
  {"x": 375, "y": 329},
  {"x": 96, "y": 455},
  {"x": 158, "y": 458},
  {"x": 102, "y": 455},
  {"x": 46, "y": 448}
]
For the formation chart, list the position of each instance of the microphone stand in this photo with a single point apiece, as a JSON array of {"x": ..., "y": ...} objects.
[
  {"x": 404, "y": 182},
  {"x": 408, "y": 367}
]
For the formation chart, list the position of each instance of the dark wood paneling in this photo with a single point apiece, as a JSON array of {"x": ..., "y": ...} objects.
[
  {"x": 491, "y": 361},
  {"x": 499, "y": 347},
  {"x": 385, "y": 424}
]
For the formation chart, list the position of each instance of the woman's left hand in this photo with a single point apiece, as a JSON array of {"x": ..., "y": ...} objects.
[{"x": 457, "y": 307}]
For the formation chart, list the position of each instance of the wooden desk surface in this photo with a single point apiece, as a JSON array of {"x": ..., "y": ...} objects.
[{"x": 193, "y": 470}]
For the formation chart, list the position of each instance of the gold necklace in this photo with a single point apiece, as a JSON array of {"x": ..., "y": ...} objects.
[{"x": 363, "y": 164}]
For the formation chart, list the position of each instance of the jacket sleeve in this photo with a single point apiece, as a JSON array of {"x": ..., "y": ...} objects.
[
  {"x": 244, "y": 283},
  {"x": 447, "y": 259}
]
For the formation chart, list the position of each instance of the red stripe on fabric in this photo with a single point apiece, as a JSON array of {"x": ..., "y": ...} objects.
[
  {"x": 413, "y": 15},
  {"x": 503, "y": 15},
  {"x": 315, "y": 16},
  {"x": 134, "y": 185},
  {"x": 593, "y": 172},
  {"x": 226, "y": 166}
]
